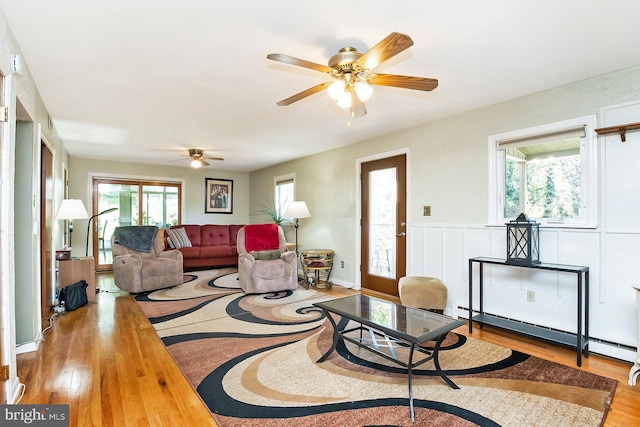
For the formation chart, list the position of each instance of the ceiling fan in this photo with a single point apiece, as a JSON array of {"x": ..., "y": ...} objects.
[
  {"x": 350, "y": 68},
  {"x": 198, "y": 159}
]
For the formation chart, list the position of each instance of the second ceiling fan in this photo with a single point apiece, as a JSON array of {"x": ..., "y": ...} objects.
[
  {"x": 350, "y": 69},
  {"x": 197, "y": 158}
]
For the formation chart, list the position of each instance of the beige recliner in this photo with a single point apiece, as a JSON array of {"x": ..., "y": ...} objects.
[
  {"x": 135, "y": 271},
  {"x": 264, "y": 265}
]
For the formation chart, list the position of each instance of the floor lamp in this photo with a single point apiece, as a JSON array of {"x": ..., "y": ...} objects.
[
  {"x": 106, "y": 211},
  {"x": 297, "y": 210},
  {"x": 71, "y": 209}
]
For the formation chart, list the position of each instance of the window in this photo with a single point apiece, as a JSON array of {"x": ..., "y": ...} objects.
[
  {"x": 547, "y": 172},
  {"x": 284, "y": 192}
]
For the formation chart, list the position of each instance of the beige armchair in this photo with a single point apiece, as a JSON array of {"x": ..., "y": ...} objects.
[
  {"x": 135, "y": 271},
  {"x": 269, "y": 267}
]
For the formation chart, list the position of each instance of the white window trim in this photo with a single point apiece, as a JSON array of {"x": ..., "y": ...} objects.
[{"x": 589, "y": 172}]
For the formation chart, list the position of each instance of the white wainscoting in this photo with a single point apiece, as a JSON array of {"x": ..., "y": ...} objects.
[{"x": 443, "y": 251}]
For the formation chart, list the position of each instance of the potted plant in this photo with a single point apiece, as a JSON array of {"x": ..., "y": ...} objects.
[{"x": 274, "y": 213}]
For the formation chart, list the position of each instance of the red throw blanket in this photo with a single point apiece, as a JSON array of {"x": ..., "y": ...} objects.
[{"x": 261, "y": 237}]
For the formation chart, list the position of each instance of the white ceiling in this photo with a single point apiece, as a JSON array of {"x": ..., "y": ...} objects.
[{"x": 143, "y": 80}]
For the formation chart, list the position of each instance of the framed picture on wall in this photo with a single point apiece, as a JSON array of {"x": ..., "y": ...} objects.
[{"x": 218, "y": 196}]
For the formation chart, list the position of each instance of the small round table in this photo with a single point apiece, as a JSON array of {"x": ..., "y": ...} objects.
[{"x": 315, "y": 261}]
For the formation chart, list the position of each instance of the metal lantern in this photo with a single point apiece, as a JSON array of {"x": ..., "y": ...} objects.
[{"x": 523, "y": 241}]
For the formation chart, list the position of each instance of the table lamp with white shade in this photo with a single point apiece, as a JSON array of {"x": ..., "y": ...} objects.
[{"x": 71, "y": 209}]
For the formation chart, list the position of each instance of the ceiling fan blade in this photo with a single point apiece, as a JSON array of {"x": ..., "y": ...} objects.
[
  {"x": 407, "y": 82},
  {"x": 299, "y": 62},
  {"x": 204, "y": 163},
  {"x": 304, "y": 94},
  {"x": 357, "y": 106},
  {"x": 180, "y": 159},
  {"x": 213, "y": 158},
  {"x": 387, "y": 48}
]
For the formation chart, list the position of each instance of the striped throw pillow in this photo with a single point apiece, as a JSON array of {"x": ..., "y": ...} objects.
[{"x": 178, "y": 237}]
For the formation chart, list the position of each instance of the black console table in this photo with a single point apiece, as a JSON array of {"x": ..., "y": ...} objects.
[{"x": 579, "y": 340}]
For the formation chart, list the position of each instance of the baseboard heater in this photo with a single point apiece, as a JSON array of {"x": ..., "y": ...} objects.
[{"x": 592, "y": 339}]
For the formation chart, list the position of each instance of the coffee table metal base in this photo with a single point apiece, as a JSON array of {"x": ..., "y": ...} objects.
[{"x": 372, "y": 345}]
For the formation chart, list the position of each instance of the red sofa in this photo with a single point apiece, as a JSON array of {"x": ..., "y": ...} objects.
[{"x": 212, "y": 245}]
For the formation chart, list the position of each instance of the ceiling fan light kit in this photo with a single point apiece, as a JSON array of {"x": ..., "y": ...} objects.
[
  {"x": 197, "y": 158},
  {"x": 350, "y": 67}
]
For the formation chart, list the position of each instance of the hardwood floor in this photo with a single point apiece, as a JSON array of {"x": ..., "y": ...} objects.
[
  {"x": 625, "y": 408},
  {"x": 108, "y": 364}
]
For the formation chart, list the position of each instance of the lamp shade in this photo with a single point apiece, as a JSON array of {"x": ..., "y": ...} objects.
[
  {"x": 336, "y": 89},
  {"x": 363, "y": 90},
  {"x": 297, "y": 210},
  {"x": 72, "y": 209}
]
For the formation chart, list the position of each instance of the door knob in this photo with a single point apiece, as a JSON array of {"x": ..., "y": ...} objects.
[{"x": 401, "y": 234}]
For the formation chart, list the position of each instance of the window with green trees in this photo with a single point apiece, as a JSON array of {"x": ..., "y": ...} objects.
[
  {"x": 543, "y": 181},
  {"x": 548, "y": 172}
]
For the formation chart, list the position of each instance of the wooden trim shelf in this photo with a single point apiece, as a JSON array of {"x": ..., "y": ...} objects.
[{"x": 620, "y": 129}]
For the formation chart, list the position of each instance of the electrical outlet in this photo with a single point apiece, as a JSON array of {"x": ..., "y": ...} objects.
[
  {"x": 426, "y": 211},
  {"x": 531, "y": 296},
  {"x": 341, "y": 264}
]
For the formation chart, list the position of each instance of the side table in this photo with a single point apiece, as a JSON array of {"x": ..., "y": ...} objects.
[
  {"x": 291, "y": 247},
  {"x": 315, "y": 261},
  {"x": 635, "y": 369},
  {"x": 76, "y": 269},
  {"x": 579, "y": 340}
]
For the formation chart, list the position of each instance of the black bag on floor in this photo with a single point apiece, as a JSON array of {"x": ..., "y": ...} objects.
[{"x": 74, "y": 295}]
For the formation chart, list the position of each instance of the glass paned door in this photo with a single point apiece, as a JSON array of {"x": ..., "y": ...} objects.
[
  {"x": 383, "y": 222},
  {"x": 135, "y": 203},
  {"x": 123, "y": 197},
  {"x": 160, "y": 205}
]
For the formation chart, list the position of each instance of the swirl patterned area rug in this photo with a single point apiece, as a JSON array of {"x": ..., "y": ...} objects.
[{"x": 252, "y": 359}]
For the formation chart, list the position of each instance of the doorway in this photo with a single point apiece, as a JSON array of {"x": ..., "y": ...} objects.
[
  {"x": 47, "y": 282},
  {"x": 122, "y": 202},
  {"x": 383, "y": 193}
]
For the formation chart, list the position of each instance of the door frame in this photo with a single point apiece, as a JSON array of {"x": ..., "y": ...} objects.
[
  {"x": 130, "y": 179},
  {"x": 358, "y": 234},
  {"x": 47, "y": 198}
]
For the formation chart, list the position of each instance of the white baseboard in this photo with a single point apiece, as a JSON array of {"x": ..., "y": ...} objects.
[
  {"x": 612, "y": 351},
  {"x": 16, "y": 392},
  {"x": 344, "y": 284},
  {"x": 27, "y": 347}
]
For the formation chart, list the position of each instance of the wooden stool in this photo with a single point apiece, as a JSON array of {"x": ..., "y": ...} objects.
[{"x": 427, "y": 293}]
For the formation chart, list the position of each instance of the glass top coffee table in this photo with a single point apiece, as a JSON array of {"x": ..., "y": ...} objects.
[{"x": 384, "y": 328}]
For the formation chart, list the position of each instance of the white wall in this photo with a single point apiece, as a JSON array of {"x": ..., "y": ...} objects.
[
  {"x": 20, "y": 89},
  {"x": 448, "y": 170},
  {"x": 610, "y": 251}
]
